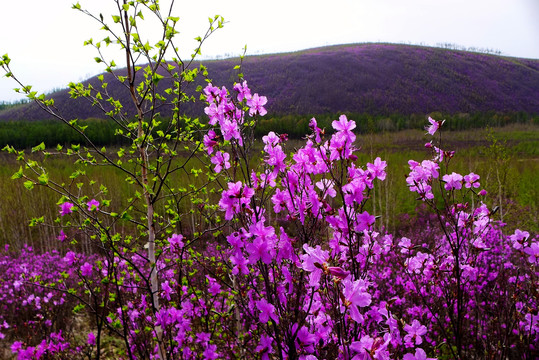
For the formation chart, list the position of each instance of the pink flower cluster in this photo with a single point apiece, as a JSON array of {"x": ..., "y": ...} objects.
[{"x": 299, "y": 268}]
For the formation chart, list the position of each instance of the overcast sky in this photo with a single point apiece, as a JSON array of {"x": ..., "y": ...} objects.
[{"x": 45, "y": 38}]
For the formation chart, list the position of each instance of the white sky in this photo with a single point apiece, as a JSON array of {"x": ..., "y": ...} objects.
[{"x": 45, "y": 38}]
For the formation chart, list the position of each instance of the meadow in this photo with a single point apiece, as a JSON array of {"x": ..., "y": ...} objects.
[{"x": 507, "y": 157}]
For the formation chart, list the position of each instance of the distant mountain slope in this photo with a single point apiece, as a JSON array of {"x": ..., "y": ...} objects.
[{"x": 380, "y": 79}]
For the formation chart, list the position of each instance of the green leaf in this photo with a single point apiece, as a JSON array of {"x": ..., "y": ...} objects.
[
  {"x": 40, "y": 147},
  {"x": 78, "y": 308},
  {"x": 43, "y": 179},
  {"x": 125, "y": 7},
  {"x": 156, "y": 78},
  {"x": 29, "y": 184},
  {"x": 126, "y": 216},
  {"x": 18, "y": 174},
  {"x": 116, "y": 19}
]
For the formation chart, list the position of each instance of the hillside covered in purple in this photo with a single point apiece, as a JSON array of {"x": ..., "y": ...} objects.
[{"x": 378, "y": 79}]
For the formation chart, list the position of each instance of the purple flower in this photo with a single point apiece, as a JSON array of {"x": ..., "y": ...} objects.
[
  {"x": 304, "y": 339},
  {"x": 364, "y": 221},
  {"x": 363, "y": 346},
  {"x": 213, "y": 287},
  {"x": 415, "y": 331},
  {"x": 243, "y": 91},
  {"x": 212, "y": 92},
  {"x": 353, "y": 191},
  {"x": 211, "y": 352},
  {"x": 420, "y": 354},
  {"x": 16, "y": 346},
  {"x": 221, "y": 160},
  {"x": 518, "y": 238},
  {"x": 62, "y": 236},
  {"x": 91, "y": 339},
  {"x": 265, "y": 347},
  {"x": 453, "y": 181},
  {"x": 167, "y": 290},
  {"x": 316, "y": 130},
  {"x": 275, "y": 158},
  {"x": 267, "y": 311},
  {"x": 236, "y": 199},
  {"x": 281, "y": 201},
  {"x": 93, "y": 205},
  {"x": 66, "y": 208},
  {"x": 471, "y": 180},
  {"x": 345, "y": 127},
  {"x": 240, "y": 264},
  {"x": 314, "y": 261},
  {"x": 230, "y": 130},
  {"x": 86, "y": 269},
  {"x": 434, "y": 126},
  {"x": 326, "y": 186},
  {"x": 338, "y": 272},
  {"x": 209, "y": 141},
  {"x": 263, "y": 246},
  {"x": 377, "y": 169},
  {"x": 256, "y": 104},
  {"x": 355, "y": 294},
  {"x": 533, "y": 252},
  {"x": 175, "y": 241},
  {"x": 270, "y": 140}
]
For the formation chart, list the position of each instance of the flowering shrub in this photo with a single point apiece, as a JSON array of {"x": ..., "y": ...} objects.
[{"x": 298, "y": 268}]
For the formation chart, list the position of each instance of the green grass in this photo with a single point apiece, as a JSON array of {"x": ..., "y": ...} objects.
[{"x": 519, "y": 187}]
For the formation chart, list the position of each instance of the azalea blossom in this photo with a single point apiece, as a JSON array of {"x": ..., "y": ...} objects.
[
  {"x": 518, "y": 238},
  {"x": 265, "y": 347},
  {"x": 453, "y": 181},
  {"x": 221, "y": 160},
  {"x": 243, "y": 91},
  {"x": 86, "y": 269},
  {"x": 91, "y": 339},
  {"x": 420, "y": 354},
  {"x": 62, "y": 236},
  {"x": 471, "y": 180},
  {"x": 355, "y": 295},
  {"x": 415, "y": 331},
  {"x": 434, "y": 126},
  {"x": 377, "y": 169},
  {"x": 236, "y": 199},
  {"x": 93, "y": 205},
  {"x": 66, "y": 208},
  {"x": 256, "y": 104},
  {"x": 533, "y": 252},
  {"x": 267, "y": 311},
  {"x": 209, "y": 141},
  {"x": 345, "y": 127}
]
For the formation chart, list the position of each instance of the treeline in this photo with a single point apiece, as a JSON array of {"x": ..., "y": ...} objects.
[
  {"x": 296, "y": 126},
  {"x": 26, "y": 134},
  {"x": 11, "y": 104}
]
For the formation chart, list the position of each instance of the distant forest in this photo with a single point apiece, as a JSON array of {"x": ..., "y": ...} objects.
[{"x": 26, "y": 134}]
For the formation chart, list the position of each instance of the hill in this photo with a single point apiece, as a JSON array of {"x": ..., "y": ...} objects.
[{"x": 378, "y": 79}]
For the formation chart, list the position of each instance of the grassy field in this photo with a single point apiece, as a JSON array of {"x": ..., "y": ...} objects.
[{"x": 507, "y": 159}]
